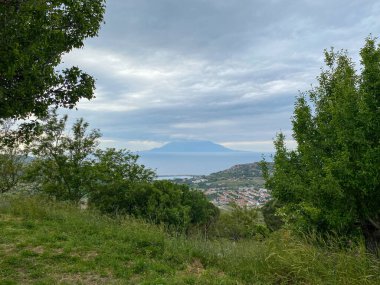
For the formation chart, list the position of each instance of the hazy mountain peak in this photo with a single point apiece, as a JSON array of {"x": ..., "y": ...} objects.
[{"x": 192, "y": 146}]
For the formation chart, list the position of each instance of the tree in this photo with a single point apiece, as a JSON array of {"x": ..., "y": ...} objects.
[
  {"x": 12, "y": 157},
  {"x": 240, "y": 223},
  {"x": 34, "y": 34},
  {"x": 63, "y": 163},
  {"x": 331, "y": 181},
  {"x": 115, "y": 166}
]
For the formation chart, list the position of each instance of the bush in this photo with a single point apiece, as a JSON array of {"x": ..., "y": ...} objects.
[
  {"x": 161, "y": 202},
  {"x": 271, "y": 216},
  {"x": 240, "y": 223}
]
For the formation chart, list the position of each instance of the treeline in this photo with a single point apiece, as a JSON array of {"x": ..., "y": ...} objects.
[
  {"x": 68, "y": 165},
  {"x": 41, "y": 154}
]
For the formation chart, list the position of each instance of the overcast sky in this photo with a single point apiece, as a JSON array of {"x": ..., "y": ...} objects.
[{"x": 227, "y": 71}]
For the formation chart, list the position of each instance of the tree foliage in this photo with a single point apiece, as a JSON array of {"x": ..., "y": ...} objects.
[
  {"x": 12, "y": 157},
  {"x": 113, "y": 166},
  {"x": 160, "y": 202},
  {"x": 69, "y": 165},
  {"x": 63, "y": 164},
  {"x": 34, "y": 34},
  {"x": 240, "y": 223},
  {"x": 331, "y": 181}
]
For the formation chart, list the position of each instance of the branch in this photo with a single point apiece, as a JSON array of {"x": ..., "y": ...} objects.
[{"x": 376, "y": 225}]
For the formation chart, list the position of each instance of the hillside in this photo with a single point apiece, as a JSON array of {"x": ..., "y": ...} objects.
[
  {"x": 43, "y": 242},
  {"x": 241, "y": 175},
  {"x": 248, "y": 171},
  {"x": 242, "y": 184}
]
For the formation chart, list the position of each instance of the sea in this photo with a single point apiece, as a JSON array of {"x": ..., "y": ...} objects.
[{"x": 195, "y": 164}]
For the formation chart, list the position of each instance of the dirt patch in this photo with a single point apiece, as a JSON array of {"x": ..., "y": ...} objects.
[
  {"x": 9, "y": 218},
  {"x": 84, "y": 278},
  {"x": 58, "y": 251},
  {"x": 90, "y": 255},
  {"x": 7, "y": 248},
  {"x": 86, "y": 256},
  {"x": 37, "y": 250},
  {"x": 196, "y": 267}
]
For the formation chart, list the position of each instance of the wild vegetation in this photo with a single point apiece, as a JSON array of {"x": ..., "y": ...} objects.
[
  {"x": 331, "y": 182},
  {"x": 47, "y": 242},
  {"x": 136, "y": 230}
]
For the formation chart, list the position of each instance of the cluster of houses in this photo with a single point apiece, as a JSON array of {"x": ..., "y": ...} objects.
[{"x": 243, "y": 196}]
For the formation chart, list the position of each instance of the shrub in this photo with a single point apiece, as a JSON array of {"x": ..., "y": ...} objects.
[
  {"x": 159, "y": 202},
  {"x": 271, "y": 216},
  {"x": 240, "y": 223}
]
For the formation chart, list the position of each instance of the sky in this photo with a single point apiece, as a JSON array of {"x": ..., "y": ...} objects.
[{"x": 226, "y": 71}]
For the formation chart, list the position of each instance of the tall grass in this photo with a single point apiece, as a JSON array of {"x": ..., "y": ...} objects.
[{"x": 47, "y": 242}]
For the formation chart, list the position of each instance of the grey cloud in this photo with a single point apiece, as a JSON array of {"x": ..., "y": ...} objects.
[{"x": 222, "y": 70}]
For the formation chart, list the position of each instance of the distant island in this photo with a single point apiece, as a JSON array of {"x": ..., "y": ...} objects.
[
  {"x": 192, "y": 146},
  {"x": 189, "y": 158}
]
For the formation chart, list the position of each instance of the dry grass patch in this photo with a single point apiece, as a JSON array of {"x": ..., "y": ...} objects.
[
  {"x": 195, "y": 268},
  {"x": 84, "y": 278}
]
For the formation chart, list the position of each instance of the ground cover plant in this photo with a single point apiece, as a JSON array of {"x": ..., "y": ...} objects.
[{"x": 47, "y": 242}]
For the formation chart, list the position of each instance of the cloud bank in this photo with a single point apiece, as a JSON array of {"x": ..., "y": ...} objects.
[{"x": 221, "y": 70}]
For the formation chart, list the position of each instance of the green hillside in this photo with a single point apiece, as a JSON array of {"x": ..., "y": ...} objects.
[
  {"x": 240, "y": 175},
  {"x": 43, "y": 242},
  {"x": 240, "y": 171}
]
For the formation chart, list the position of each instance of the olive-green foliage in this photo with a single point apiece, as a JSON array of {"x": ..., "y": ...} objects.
[
  {"x": 62, "y": 165},
  {"x": 239, "y": 223},
  {"x": 113, "y": 166},
  {"x": 12, "y": 158},
  {"x": 159, "y": 202},
  {"x": 331, "y": 181},
  {"x": 68, "y": 164},
  {"x": 271, "y": 217},
  {"x": 34, "y": 34}
]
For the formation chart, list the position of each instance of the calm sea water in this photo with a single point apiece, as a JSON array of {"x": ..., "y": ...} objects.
[{"x": 187, "y": 164}]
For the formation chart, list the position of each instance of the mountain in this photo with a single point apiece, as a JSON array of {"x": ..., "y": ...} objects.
[{"x": 192, "y": 146}]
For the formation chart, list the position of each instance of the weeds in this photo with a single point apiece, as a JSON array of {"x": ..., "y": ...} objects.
[{"x": 47, "y": 242}]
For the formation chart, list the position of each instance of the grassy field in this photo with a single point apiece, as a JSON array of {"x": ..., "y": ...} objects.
[{"x": 44, "y": 242}]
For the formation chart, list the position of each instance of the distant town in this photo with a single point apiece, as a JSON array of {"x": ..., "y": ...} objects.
[
  {"x": 244, "y": 197},
  {"x": 241, "y": 184}
]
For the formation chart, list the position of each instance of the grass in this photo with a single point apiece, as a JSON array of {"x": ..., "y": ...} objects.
[{"x": 45, "y": 242}]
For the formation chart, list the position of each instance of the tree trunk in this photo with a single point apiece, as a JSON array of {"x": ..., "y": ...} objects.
[{"x": 371, "y": 232}]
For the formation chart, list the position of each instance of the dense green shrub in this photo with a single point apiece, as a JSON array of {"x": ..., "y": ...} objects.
[
  {"x": 113, "y": 166},
  {"x": 239, "y": 223},
  {"x": 330, "y": 183},
  {"x": 159, "y": 202},
  {"x": 271, "y": 215}
]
